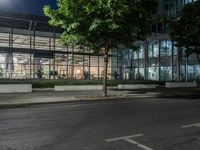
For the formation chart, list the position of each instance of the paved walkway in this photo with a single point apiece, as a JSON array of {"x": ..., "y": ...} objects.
[{"x": 50, "y": 96}]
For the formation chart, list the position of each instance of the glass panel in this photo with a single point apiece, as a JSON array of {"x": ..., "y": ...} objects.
[
  {"x": 42, "y": 43},
  {"x": 141, "y": 51},
  {"x": 153, "y": 52},
  {"x": 166, "y": 47},
  {"x": 101, "y": 72},
  {"x": 59, "y": 46},
  {"x": 188, "y": 1},
  {"x": 22, "y": 69},
  {"x": 21, "y": 41},
  {"x": 141, "y": 74},
  {"x": 94, "y": 73},
  {"x": 4, "y": 40},
  {"x": 101, "y": 61},
  {"x": 94, "y": 61},
  {"x": 153, "y": 49},
  {"x": 61, "y": 65},
  {"x": 2, "y": 70},
  {"x": 3, "y": 66},
  {"x": 70, "y": 66},
  {"x": 153, "y": 73},
  {"x": 43, "y": 68},
  {"x": 78, "y": 67},
  {"x": 165, "y": 73},
  {"x": 166, "y": 60}
]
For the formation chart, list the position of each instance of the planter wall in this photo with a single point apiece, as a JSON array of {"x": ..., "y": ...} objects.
[
  {"x": 15, "y": 88},
  {"x": 180, "y": 84},
  {"x": 77, "y": 87},
  {"x": 137, "y": 86}
]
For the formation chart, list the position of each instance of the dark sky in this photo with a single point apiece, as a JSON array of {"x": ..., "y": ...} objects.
[{"x": 26, "y": 6}]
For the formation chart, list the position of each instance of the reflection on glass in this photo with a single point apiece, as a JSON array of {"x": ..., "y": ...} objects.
[
  {"x": 166, "y": 73},
  {"x": 21, "y": 41},
  {"x": 4, "y": 39},
  {"x": 153, "y": 73},
  {"x": 166, "y": 47}
]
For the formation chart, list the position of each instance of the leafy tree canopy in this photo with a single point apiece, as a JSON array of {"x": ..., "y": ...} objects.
[
  {"x": 101, "y": 23},
  {"x": 185, "y": 30}
]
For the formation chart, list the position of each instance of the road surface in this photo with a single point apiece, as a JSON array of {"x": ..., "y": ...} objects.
[{"x": 143, "y": 124}]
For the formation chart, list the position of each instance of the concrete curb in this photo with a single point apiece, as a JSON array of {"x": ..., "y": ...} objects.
[
  {"x": 81, "y": 99},
  {"x": 95, "y": 99}
]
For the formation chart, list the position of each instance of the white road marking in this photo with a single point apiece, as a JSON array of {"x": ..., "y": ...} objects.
[
  {"x": 128, "y": 139},
  {"x": 191, "y": 125},
  {"x": 121, "y": 138}
]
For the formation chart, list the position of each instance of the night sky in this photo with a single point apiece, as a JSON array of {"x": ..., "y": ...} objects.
[{"x": 26, "y": 6}]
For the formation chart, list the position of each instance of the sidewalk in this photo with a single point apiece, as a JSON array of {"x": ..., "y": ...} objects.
[{"x": 50, "y": 96}]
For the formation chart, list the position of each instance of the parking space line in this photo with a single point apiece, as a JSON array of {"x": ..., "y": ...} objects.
[
  {"x": 129, "y": 140},
  {"x": 191, "y": 125}
]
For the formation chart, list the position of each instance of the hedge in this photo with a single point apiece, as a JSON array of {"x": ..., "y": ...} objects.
[{"x": 52, "y": 83}]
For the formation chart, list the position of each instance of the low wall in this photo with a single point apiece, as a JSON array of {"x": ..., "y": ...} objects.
[
  {"x": 77, "y": 87},
  {"x": 137, "y": 86},
  {"x": 180, "y": 84},
  {"x": 15, "y": 88}
]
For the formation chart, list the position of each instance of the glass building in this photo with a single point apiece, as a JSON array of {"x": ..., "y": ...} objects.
[
  {"x": 30, "y": 49},
  {"x": 158, "y": 58}
]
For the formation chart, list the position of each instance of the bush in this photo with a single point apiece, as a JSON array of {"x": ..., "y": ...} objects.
[{"x": 52, "y": 83}]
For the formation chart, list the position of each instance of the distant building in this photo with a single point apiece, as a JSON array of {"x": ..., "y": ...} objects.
[{"x": 158, "y": 58}]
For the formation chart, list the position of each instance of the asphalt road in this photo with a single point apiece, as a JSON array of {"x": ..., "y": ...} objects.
[{"x": 151, "y": 124}]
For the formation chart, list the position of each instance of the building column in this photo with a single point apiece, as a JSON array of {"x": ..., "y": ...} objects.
[
  {"x": 11, "y": 53},
  {"x": 72, "y": 75},
  {"x": 118, "y": 73},
  {"x": 172, "y": 61},
  {"x": 159, "y": 58},
  {"x": 49, "y": 59},
  {"x": 145, "y": 60},
  {"x": 34, "y": 25},
  {"x": 89, "y": 66},
  {"x": 179, "y": 64},
  {"x": 186, "y": 69},
  {"x": 98, "y": 68},
  {"x": 54, "y": 48},
  {"x": 30, "y": 58}
]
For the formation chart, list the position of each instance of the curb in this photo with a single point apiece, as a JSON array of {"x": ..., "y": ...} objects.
[
  {"x": 83, "y": 99},
  {"x": 92, "y": 99}
]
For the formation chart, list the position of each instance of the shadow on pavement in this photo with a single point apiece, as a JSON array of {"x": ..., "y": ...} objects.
[{"x": 185, "y": 93}]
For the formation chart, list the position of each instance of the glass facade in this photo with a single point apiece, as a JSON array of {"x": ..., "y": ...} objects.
[
  {"x": 30, "y": 49},
  {"x": 158, "y": 58},
  {"x": 165, "y": 62}
]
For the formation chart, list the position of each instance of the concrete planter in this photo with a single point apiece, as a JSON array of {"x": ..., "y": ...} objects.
[
  {"x": 180, "y": 84},
  {"x": 137, "y": 86},
  {"x": 77, "y": 87},
  {"x": 15, "y": 88}
]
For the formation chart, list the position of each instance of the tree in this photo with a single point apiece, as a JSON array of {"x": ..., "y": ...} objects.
[
  {"x": 101, "y": 25},
  {"x": 185, "y": 30}
]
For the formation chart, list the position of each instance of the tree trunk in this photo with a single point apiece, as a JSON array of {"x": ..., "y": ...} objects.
[{"x": 105, "y": 72}]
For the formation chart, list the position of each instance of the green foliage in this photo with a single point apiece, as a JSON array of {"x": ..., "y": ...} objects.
[
  {"x": 51, "y": 83},
  {"x": 185, "y": 30},
  {"x": 94, "y": 23}
]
